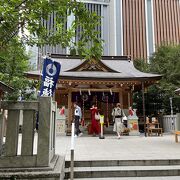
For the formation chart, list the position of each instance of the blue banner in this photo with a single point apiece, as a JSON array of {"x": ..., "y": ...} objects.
[{"x": 50, "y": 75}]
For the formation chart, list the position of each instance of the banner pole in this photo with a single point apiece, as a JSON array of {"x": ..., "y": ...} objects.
[{"x": 72, "y": 153}]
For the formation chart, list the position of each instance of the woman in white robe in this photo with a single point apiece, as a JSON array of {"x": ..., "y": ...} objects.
[{"x": 118, "y": 115}]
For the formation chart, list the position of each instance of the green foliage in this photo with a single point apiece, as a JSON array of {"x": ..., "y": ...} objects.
[
  {"x": 23, "y": 15},
  {"x": 141, "y": 65},
  {"x": 21, "y": 23},
  {"x": 14, "y": 62},
  {"x": 165, "y": 61}
]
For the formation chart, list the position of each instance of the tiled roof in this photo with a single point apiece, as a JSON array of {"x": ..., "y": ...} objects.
[
  {"x": 5, "y": 87},
  {"x": 121, "y": 68}
]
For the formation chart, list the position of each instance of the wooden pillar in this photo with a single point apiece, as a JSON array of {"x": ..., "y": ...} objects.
[
  {"x": 69, "y": 112},
  {"x": 129, "y": 99},
  {"x": 121, "y": 97},
  {"x": 2, "y": 119},
  {"x": 1, "y": 131},
  {"x": 143, "y": 104},
  {"x": 1, "y": 94}
]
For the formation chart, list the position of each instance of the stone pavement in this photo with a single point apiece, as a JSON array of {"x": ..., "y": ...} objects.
[
  {"x": 88, "y": 148},
  {"x": 136, "y": 178},
  {"x": 126, "y": 148}
]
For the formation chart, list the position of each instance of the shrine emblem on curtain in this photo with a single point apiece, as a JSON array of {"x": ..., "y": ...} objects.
[{"x": 50, "y": 75}]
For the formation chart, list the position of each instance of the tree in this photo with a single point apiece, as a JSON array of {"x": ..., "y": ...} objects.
[
  {"x": 165, "y": 61},
  {"x": 27, "y": 15},
  {"x": 141, "y": 65},
  {"x": 14, "y": 62},
  {"x": 21, "y": 23}
]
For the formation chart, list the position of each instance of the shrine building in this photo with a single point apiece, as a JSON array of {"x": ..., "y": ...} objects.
[{"x": 102, "y": 82}]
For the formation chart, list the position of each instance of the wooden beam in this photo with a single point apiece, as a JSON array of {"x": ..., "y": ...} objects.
[
  {"x": 62, "y": 91},
  {"x": 72, "y": 82},
  {"x": 95, "y": 90}
]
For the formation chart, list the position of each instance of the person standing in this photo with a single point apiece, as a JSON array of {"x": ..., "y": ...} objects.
[
  {"x": 118, "y": 114},
  {"x": 131, "y": 111},
  {"x": 95, "y": 127},
  {"x": 77, "y": 118}
]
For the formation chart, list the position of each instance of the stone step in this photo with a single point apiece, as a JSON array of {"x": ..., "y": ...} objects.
[
  {"x": 53, "y": 172},
  {"x": 99, "y": 163},
  {"x": 124, "y": 171},
  {"x": 134, "y": 178}
]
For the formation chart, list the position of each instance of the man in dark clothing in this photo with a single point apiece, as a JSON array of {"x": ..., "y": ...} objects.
[{"x": 77, "y": 118}]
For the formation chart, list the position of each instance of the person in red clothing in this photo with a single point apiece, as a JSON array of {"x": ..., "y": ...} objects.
[
  {"x": 131, "y": 111},
  {"x": 95, "y": 127}
]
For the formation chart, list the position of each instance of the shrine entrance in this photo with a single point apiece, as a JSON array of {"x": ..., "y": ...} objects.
[
  {"x": 104, "y": 82},
  {"x": 104, "y": 101},
  {"x": 104, "y": 98}
]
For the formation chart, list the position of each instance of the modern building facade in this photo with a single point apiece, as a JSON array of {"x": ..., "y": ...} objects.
[{"x": 131, "y": 27}]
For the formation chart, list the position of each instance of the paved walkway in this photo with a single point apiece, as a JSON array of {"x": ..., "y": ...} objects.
[
  {"x": 126, "y": 148},
  {"x": 136, "y": 178}
]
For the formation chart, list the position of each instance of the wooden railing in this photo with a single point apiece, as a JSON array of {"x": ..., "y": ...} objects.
[{"x": 28, "y": 148}]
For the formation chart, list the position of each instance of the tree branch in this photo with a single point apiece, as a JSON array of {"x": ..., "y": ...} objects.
[{"x": 20, "y": 4}]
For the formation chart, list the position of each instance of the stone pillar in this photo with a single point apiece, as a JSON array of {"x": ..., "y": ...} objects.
[
  {"x": 44, "y": 133},
  {"x": 12, "y": 132}
]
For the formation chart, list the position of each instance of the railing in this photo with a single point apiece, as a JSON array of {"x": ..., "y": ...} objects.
[
  {"x": 169, "y": 123},
  {"x": 28, "y": 148}
]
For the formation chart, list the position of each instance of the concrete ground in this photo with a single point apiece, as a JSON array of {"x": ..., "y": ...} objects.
[
  {"x": 136, "y": 178},
  {"x": 126, "y": 148}
]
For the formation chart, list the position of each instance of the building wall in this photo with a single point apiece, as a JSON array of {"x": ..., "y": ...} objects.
[
  {"x": 134, "y": 28},
  {"x": 167, "y": 21},
  {"x": 147, "y": 24},
  {"x": 131, "y": 27},
  {"x": 98, "y": 6}
]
